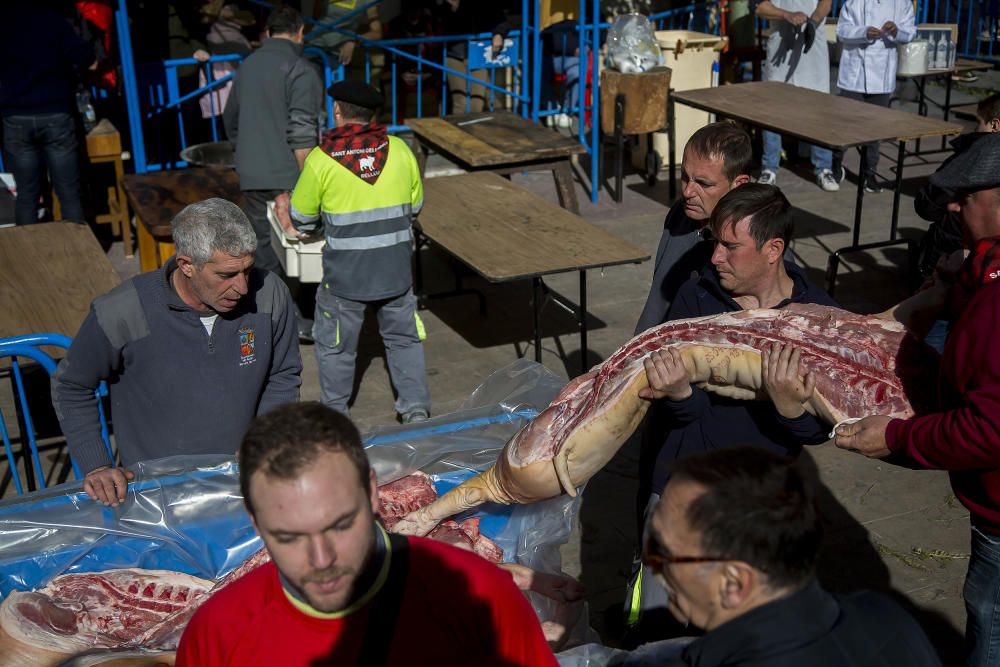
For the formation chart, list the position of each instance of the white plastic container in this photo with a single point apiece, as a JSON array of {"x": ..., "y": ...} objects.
[
  {"x": 302, "y": 260},
  {"x": 914, "y": 57}
]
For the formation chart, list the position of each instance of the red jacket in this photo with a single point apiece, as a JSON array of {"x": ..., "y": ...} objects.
[{"x": 965, "y": 437}]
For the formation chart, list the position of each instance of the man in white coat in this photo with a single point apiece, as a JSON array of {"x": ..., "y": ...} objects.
[
  {"x": 797, "y": 54},
  {"x": 870, "y": 31}
]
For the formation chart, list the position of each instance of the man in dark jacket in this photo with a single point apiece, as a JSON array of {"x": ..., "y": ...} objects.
[
  {"x": 964, "y": 436},
  {"x": 40, "y": 59},
  {"x": 734, "y": 541},
  {"x": 752, "y": 226},
  {"x": 717, "y": 158},
  {"x": 272, "y": 116}
]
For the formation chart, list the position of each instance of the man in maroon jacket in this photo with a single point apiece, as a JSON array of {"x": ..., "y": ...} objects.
[{"x": 964, "y": 437}]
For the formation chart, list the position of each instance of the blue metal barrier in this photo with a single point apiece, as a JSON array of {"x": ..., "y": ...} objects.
[{"x": 524, "y": 50}]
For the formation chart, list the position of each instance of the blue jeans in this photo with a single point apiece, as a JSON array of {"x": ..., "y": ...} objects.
[
  {"x": 822, "y": 158},
  {"x": 982, "y": 601},
  {"x": 570, "y": 67},
  {"x": 34, "y": 143}
]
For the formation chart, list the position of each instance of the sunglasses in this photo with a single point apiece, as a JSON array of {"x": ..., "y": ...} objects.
[{"x": 657, "y": 557}]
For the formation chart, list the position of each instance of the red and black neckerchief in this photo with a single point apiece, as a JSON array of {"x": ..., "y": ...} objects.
[{"x": 362, "y": 149}]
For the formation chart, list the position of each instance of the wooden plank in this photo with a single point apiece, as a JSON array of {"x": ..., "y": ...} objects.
[
  {"x": 820, "y": 118},
  {"x": 966, "y": 65},
  {"x": 49, "y": 274},
  {"x": 503, "y": 232},
  {"x": 156, "y": 197},
  {"x": 493, "y": 138},
  {"x": 453, "y": 140},
  {"x": 966, "y": 111}
]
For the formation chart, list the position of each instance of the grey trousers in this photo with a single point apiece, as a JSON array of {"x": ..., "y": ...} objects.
[{"x": 337, "y": 328}]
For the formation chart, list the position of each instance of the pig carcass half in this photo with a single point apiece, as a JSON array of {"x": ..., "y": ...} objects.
[{"x": 863, "y": 365}]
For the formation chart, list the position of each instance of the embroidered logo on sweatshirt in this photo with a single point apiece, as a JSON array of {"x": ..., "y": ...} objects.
[{"x": 246, "y": 346}]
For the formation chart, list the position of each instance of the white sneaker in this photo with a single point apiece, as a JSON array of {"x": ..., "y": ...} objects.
[
  {"x": 826, "y": 180},
  {"x": 563, "y": 120},
  {"x": 768, "y": 177}
]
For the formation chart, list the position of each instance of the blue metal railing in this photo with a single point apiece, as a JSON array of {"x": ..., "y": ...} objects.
[{"x": 524, "y": 96}]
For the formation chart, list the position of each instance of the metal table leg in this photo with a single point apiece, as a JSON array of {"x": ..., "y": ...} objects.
[
  {"x": 899, "y": 186},
  {"x": 536, "y": 305},
  {"x": 671, "y": 140},
  {"x": 834, "y": 262}
]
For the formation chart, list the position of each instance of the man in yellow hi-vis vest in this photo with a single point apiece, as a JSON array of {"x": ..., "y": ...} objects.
[{"x": 362, "y": 187}]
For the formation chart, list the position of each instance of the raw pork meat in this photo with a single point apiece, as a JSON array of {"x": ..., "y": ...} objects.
[
  {"x": 405, "y": 495},
  {"x": 863, "y": 365},
  {"x": 77, "y": 612}
]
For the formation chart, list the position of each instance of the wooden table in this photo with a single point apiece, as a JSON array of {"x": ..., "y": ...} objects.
[
  {"x": 104, "y": 146},
  {"x": 967, "y": 111},
  {"x": 505, "y": 233},
  {"x": 49, "y": 274},
  {"x": 156, "y": 197},
  {"x": 502, "y": 142},
  {"x": 829, "y": 121}
]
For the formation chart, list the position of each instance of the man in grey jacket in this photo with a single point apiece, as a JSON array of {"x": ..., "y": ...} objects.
[
  {"x": 192, "y": 352},
  {"x": 272, "y": 117}
]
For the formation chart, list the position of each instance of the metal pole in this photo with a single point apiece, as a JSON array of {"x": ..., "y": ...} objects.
[
  {"x": 595, "y": 124},
  {"x": 131, "y": 89},
  {"x": 536, "y": 63}
]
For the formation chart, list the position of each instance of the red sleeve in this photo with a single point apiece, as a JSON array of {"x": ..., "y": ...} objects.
[{"x": 967, "y": 437}]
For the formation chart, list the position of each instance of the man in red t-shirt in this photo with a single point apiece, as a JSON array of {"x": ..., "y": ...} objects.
[
  {"x": 963, "y": 436},
  {"x": 339, "y": 590}
]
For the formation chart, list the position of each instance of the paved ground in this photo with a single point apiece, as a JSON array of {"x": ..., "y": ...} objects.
[{"x": 887, "y": 528}]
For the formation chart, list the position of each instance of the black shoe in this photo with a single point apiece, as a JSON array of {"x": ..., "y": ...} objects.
[
  {"x": 875, "y": 184},
  {"x": 839, "y": 173},
  {"x": 305, "y": 327}
]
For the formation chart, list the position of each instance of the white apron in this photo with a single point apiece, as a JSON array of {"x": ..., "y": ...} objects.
[{"x": 785, "y": 59}]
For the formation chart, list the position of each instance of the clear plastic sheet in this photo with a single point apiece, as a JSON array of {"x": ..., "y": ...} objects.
[
  {"x": 187, "y": 514},
  {"x": 666, "y": 653},
  {"x": 632, "y": 45}
]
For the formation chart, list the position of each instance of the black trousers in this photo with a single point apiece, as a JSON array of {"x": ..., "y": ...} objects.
[
  {"x": 871, "y": 162},
  {"x": 256, "y": 209}
]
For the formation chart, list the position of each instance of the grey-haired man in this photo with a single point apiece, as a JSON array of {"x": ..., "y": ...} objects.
[{"x": 191, "y": 352}]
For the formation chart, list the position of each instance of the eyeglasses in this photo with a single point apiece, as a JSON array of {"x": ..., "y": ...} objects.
[{"x": 655, "y": 555}]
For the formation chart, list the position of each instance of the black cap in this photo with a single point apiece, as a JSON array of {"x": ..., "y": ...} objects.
[
  {"x": 976, "y": 168},
  {"x": 356, "y": 92}
]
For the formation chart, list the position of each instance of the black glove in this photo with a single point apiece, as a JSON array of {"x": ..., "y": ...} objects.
[{"x": 809, "y": 34}]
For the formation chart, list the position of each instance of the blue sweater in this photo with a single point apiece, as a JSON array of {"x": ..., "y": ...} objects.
[
  {"x": 705, "y": 421},
  {"x": 175, "y": 389}
]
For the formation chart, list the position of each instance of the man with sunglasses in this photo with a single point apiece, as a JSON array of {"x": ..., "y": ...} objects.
[
  {"x": 734, "y": 540},
  {"x": 963, "y": 437}
]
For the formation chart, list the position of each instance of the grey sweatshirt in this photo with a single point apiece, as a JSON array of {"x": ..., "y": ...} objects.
[
  {"x": 273, "y": 109},
  {"x": 175, "y": 389}
]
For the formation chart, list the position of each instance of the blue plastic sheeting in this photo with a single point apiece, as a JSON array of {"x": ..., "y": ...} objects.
[{"x": 187, "y": 514}]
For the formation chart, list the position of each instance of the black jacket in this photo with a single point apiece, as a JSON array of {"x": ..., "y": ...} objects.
[
  {"x": 818, "y": 629},
  {"x": 40, "y": 58},
  {"x": 705, "y": 421}
]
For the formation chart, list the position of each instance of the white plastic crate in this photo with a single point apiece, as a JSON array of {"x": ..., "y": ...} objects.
[{"x": 302, "y": 260}]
